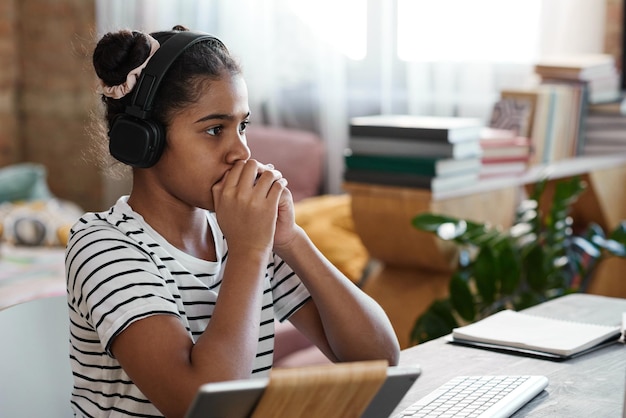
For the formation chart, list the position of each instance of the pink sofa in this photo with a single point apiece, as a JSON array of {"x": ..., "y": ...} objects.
[{"x": 299, "y": 156}]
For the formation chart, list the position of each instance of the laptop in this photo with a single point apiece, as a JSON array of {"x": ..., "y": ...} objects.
[{"x": 238, "y": 398}]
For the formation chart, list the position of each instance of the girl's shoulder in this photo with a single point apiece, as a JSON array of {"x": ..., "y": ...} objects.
[{"x": 118, "y": 221}]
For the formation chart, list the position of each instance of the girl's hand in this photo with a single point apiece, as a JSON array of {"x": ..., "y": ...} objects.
[
  {"x": 286, "y": 222},
  {"x": 247, "y": 205}
]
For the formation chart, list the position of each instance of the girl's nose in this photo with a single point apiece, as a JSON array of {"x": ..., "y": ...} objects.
[{"x": 238, "y": 149}]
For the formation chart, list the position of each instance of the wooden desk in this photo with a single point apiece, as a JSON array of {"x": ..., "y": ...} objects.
[{"x": 588, "y": 386}]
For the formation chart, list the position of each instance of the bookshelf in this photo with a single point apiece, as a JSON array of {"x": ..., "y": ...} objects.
[{"x": 415, "y": 265}]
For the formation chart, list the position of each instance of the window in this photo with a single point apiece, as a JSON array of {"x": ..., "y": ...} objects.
[
  {"x": 462, "y": 30},
  {"x": 342, "y": 24}
]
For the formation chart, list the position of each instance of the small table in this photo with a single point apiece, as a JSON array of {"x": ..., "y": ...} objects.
[
  {"x": 591, "y": 385},
  {"x": 28, "y": 273}
]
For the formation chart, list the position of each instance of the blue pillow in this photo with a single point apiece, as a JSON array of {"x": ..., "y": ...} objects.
[{"x": 24, "y": 181}]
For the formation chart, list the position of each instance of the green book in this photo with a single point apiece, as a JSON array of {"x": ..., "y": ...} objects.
[{"x": 424, "y": 166}]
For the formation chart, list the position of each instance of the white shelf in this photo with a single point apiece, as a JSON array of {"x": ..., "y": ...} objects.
[{"x": 556, "y": 170}]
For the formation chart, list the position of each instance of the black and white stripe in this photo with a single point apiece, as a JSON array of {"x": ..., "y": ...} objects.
[{"x": 119, "y": 270}]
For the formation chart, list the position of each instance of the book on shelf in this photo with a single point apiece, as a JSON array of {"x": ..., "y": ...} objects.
[
  {"x": 605, "y": 133},
  {"x": 425, "y": 166},
  {"x": 605, "y": 89},
  {"x": 499, "y": 168},
  {"x": 528, "y": 334},
  {"x": 501, "y": 144},
  {"x": 613, "y": 107},
  {"x": 588, "y": 79},
  {"x": 504, "y": 153},
  {"x": 598, "y": 149},
  {"x": 391, "y": 146},
  {"x": 576, "y": 66},
  {"x": 571, "y": 102},
  {"x": 433, "y": 128},
  {"x": 558, "y": 120},
  {"x": 434, "y": 184}
]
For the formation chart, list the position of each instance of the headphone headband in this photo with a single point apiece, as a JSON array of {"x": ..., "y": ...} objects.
[
  {"x": 157, "y": 67},
  {"x": 134, "y": 138}
]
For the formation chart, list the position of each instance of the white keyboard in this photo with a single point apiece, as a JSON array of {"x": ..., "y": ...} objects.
[{"x": 478, "y": 396}]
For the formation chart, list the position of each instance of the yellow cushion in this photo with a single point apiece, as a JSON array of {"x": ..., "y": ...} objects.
[{"x": 327, "y": 220}]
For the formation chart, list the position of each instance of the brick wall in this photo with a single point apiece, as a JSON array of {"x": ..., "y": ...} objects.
[
  {"x": 56, "y": 98},
  {"x": 46, "y": 92},
  {"x": 8, "y": 81}
]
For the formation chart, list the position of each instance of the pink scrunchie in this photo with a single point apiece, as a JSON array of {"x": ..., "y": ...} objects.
[{"x": 121, "y": 90}]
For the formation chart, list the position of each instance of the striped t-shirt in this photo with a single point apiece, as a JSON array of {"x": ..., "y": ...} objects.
[{"x": 120, "y": 270}]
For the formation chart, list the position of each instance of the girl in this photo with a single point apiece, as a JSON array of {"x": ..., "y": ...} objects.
[{"x": 178, "y": 284}]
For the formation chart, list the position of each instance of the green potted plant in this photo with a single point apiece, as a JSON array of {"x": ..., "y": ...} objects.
[{"x": 539, "y": 258}]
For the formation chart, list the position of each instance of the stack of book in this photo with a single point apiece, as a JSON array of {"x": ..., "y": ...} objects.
[
  {"x": 505, "y": 153},
  {"x": 569, "y": 84},
  {"x": 605, "y": 131},
  {"x": 428, "y": 152},
  {"x": 598, "y": 71}
]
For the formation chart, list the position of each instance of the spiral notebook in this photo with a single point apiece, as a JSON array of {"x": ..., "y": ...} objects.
[{"x": 534, "y": 335}]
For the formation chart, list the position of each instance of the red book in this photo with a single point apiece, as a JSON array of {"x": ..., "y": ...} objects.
[{"x": 500, "y": 145}]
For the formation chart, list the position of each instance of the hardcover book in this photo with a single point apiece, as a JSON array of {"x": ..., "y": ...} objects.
[
  {"x": 434, "y": 128},
  {"x": 491, "y": 169},
  {"x": 504, "y": 144},
  {"x": 434, "y": 184},
  {"x": 577, "y": 66},
  {"x": 413, "y": 165},
  {"x": 416, "y": 148}
]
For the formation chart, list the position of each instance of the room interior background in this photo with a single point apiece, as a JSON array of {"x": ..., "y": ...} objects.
[
  {"x": 309, "y": 65},
  {"x": 313, "y": 65}
]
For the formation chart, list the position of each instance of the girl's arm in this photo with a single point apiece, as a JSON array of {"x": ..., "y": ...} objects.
[
  {"x": 157, "y": 353},
  {"x": 341, "y": 319}
]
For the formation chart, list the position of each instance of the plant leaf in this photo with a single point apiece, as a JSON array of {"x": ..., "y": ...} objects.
[
  {"x": 447, "y": 227},
  {"x": 612, "y": 246},
  {"x": 619, "y": 233},
  {"x": 510, "y": 270},
  {"x": 536, "y": 274},
  {"x": 435, "y": 322},
  {"x": 588, "y": 247},
  {"x": 431, "y": 222},
  {"x": 485, "y": 267},
  {"x": 461, "y": 297}
]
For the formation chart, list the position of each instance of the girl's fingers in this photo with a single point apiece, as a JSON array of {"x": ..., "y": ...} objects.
[{"x": 247, "y": 177}]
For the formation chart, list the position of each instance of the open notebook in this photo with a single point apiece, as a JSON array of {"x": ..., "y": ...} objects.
[
  {"x": 240, "y": 398},
  {"x": 527, "y": 334}
]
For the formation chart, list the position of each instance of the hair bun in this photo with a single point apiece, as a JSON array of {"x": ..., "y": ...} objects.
[{"x": 117, "y": 53}]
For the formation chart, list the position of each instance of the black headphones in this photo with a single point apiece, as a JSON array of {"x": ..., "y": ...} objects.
[{"x": 134, "y": 139}]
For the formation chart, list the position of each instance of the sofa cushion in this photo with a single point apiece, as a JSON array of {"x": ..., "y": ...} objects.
[
  {"x": 297, "y": 154},
  {"x": 327, "y": 220}
]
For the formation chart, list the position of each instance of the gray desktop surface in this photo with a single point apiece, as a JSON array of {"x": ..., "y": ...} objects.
[{"x": 591, "y": 385}]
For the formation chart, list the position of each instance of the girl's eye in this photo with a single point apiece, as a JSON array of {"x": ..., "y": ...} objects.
[
  {"x": 243, "y": 125},
  {"x": 214, "y": 131}
]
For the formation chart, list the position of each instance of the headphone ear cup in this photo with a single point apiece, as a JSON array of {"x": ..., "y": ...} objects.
[{"x": 136, "y": 142}]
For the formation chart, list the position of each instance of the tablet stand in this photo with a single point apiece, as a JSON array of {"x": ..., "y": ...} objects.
[{"x": 337, "y": 390}]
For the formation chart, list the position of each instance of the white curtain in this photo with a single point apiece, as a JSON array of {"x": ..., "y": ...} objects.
[{"x": 315, "y": 66}]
